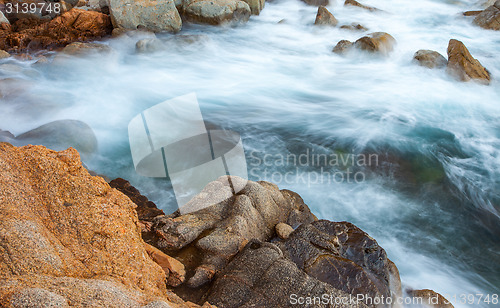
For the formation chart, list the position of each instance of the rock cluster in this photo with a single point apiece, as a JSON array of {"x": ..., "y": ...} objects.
[{"x": 378, "y": 42}]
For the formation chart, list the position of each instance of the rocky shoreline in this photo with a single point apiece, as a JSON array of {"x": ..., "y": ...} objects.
[{"x": 69, "y": 239}]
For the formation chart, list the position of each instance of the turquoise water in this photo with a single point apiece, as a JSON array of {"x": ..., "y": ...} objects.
[{"x": 432, "y": 199}]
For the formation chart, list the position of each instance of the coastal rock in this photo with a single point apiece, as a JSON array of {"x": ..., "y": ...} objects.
[
  {"x": 256, "y": 6},
  {"x": 216, "y": 12},
  {"x": 317, "y": 2},
  {"x": 325, "y": 18},
  {"x": 283, "y": 230},
  {"x": 342, "y": 47},
  {"x": 173, "y": 269},
  {"x": 74, "y": 25},
  {"x": 356, "y": 3},
  {"x": 489, "y": 18},
  {"x": 430, "y": 59},
  {"x": 354, "y": 27},
  {"x": 378, "y": 42},
  {"x": 149, "y": 45},
  {"x": 342, "y": 255},
  {"x": 261, "y": 276},
  {"x": 4, "y": 54},
  {"x": 4, "y": 22},
  {"x": 60, "y": 135},
  {"x": 156, "y": 15},
  {"x": 219, "y": 232},
  {"x": 146, "y": 210},
  {"x": 471, "y": 13},
  {"x": 68, "y": 236},
  {"x": 430, "y": 298},
  {"x": 463, "y": 66},
  {"x": 84, "y": 49}
]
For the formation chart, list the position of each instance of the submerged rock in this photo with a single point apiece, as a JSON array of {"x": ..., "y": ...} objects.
[
  {"x": 378, "y": 42},
  {"x": 68, "y": 237},
  {"x": 157, "y": 15},
  {"x": 325, "y": 18},
  {"x": 84, "y": 49},
  {"x": 354, "y": 27},
  {"x": 216, "y": 12},
  {"x": 219, "y": 232},
  {"x": 356, "y": 3},
  {"x": 342, "y": 47},
  {"x": 489, "y": 18},
  {"x": 149, "y": 45},
  {"x": 430, "y": 59},
  {"x": 462, "y": 66}
]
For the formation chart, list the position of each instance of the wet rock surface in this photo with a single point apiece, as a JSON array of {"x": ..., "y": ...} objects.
[
  {"x": 489, "y": 18},
  {"x": 325, "y": 18},
  {"x": 463, "y": 66},
  {"x": 430, "y": 59},
  {"x": 216, "y": 12}
]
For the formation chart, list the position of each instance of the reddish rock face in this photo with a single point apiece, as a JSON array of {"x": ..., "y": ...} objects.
[{"x": 32, "y": 34}]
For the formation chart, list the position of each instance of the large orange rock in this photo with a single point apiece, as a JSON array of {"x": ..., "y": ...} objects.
[
  {"x": 72, "y": 26},
  {"x": 69, "y": 238},
  {"x": 463, "y": 66}
]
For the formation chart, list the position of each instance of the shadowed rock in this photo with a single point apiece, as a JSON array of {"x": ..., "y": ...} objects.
[
  {"x": 462, "y": 66},
  {"x": 354, "y": 27},
  {"x": 342, "y": 255},
  {"x": 325, "y": 18},
  {"x": 430, "y": 59},
  {"x": 260, "y": 276},
  {"x": 219, "y": 232}
]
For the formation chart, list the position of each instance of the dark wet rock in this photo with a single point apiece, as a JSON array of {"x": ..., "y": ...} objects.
[
  {"x": 464, "y": 67},
  {"x": 430, "y": 298},
  {"x": 146, "y": 210},
  {"x": 256, "y": 6},
  {"x": 317, "y": 2},
  {"x": 218, "y": 233},
  {"x": 261, "y": 276},
  {"x": 216, "y": 12},
  {"x": 73, "y": 26},
  {"x": 354, "y": 27},
  {"x": 156, "y": 16},
  {"x": 325, "y": 18},
  {"x": 378, "y": 42},
  {"x": 342, "y": 255},
  {"x": 342, "y": 47},
  {"x": 430, "y": 59},
  {"x": 357, "y": 4},
  {"x": 489, "y": 18}
]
